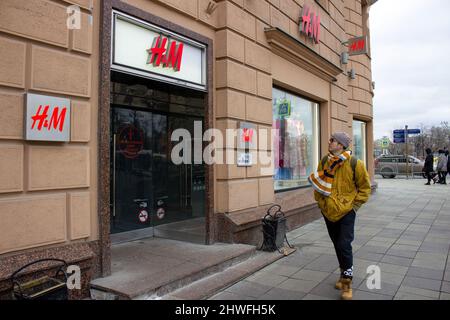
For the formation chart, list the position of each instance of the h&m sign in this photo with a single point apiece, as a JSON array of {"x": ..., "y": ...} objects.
[
  {"x": 167, "y": 55},
  {"x": 47, "y": 118},
  {"x": 310, "y": 23}
]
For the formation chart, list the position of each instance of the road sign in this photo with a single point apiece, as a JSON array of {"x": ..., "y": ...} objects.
[
  {"x": 385, "y": 143},
  {"x": 413, "y": 131},
  {"x": 399, "y": 140}
]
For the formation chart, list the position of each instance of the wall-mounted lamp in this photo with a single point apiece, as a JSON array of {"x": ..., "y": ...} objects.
[
  {"x": 344, "y": 57},
  {"x": 373, "y": 85},
  {"x": 352, "y": 74}
]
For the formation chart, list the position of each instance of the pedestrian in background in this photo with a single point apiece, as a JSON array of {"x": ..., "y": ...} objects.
[
  {"x": 428, "y": 166},
  {"x": 341, "y": 186},
  {"x": 442, "y": 167},
  {"x": 448, "y": 162}
]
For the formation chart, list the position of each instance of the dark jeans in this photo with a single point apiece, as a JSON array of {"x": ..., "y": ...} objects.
[
  {"x": 342, "y": 234},
  {"x": 442, "y": 177}
]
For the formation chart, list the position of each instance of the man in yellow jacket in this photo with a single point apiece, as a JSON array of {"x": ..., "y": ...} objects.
[{"x": 341, "y": 186}]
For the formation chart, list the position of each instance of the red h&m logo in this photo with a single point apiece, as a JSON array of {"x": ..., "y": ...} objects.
[
  {"x": 247, "y": 134},
  {"x": 56, "y": 121},
  {"x": 310, "y": 24},
  {"x": 168, "y": 55},
  {"x": 357, "y": 45}
]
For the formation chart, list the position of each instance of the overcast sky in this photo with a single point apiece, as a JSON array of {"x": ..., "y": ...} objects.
[{"x": 410, "y": 42}]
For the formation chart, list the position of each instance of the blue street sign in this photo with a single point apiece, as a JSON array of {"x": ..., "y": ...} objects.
[
  {"x": 399, "y": 140},
  {"x": 402, "y": 131},
  {"x": 399, "y": 135},
  {"x": 413, "y": 131}
]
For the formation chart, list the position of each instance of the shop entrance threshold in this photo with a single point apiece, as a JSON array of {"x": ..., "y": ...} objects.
[{"x": 155, "y": 268}]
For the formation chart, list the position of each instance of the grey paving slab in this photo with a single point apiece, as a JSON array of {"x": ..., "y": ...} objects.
[
  {"x": 325, "y": 263},
  {"x": 421, "y": 292},
  {"x": 401, "y": 253},
  {"x": 250, "y": 289},
  {"x": 298, "y": 285},
  {"x": 364, "y": 295},
  {"x": 315, "y": 297},
  {"x": 444, "y": 296},
  {"x": 326, "y": 290},
  {"x": 425, "y": 273},
  {"x": 282, "y": 294},
  {"x": 312, "y": 275},
  {"x": 445, "y": 287},
  {"x": 422, "y": 283},
  {"x": 224, "y": 295},
  {"x": 400, "y": 261},
  {"x": 388, "y": 289},
  {"x": 266, "y": 278},
  {"x": 410, "y": 296}
]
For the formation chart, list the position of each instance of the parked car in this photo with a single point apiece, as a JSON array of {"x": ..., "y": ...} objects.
[{"x": 389, "y": 166}]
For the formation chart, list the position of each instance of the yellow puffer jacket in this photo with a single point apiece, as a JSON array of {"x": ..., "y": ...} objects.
[{"x": 345, "y": 196}]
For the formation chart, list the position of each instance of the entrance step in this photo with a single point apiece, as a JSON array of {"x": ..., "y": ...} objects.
[
  {"x": 153, "y": 268},
  {"x": 208, "y": 286}
]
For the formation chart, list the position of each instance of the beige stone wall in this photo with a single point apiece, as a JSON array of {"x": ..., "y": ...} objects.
[{"x": 48, "y": 191}]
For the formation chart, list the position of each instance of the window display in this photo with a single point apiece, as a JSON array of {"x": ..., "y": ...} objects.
[{"x": 296, "y": 139}]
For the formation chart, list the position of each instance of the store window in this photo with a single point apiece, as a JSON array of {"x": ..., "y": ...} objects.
[
  {"x": 296, "y": 139},
  {"x": 359, "y": 140}
]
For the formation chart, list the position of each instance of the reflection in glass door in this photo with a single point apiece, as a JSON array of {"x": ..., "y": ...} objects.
[
  {"x": 150, "y": 195},
  {"x": 131, "y": 170}
]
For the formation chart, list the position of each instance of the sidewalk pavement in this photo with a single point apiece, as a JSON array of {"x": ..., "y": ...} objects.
[{"x": 404, "y": 229}]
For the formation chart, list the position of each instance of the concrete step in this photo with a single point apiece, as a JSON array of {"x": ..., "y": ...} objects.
[
  {"x": 140, "y": 275},
  {"x": 210, "y": 285}
]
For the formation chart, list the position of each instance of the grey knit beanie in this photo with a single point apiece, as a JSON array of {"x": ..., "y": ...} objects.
[{"x": 343, "y": 138}]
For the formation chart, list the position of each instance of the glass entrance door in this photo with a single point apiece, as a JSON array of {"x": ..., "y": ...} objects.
[
  {"x": 151, "y": 196},
  {"x": 132, "y": 172}
]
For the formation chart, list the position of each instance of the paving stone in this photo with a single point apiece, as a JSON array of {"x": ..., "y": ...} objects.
[
  {"x": 445, "y": 287},
  {"x": 298, "y": 285},
  {"x": 282, "y": 294},
  {"x": 409, "y": 296},
  {"x": 425, "y": 273},
  {"x": 326, "y": 290},
  {"x": 224, "y": 295},
  {"x": 429, "y": 264},
  {"x": 444, "y": 296},
  {"x": 421, "y": 292},
  {"x": 397, "y": 260},
  {"x": 368, "y": 248},
  {"x": 392, "y": 278},
  {"x": 385, "y": 288},
  {"x": 312, "y": 275},
  {"x": 364, "y": 295},
  {"x": 281, "y": 270},
  {"x": 315, "y": 297},
  {"x": 267, "y": 279},
  {"x": 249, "y": 289},
  {"x": 401, "y": 253},
  {"x": 391, "y": 268},
  {"x": 422, "y": 283},
  {"x": 368, "y": 255},
  {"x": 325, "y": 263}
]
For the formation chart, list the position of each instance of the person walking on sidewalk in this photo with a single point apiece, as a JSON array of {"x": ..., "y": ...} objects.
[
  {"x": 442, "y": 167},
  {"x": 428, "y": 166},
  {"x": 341, "y": 186}
]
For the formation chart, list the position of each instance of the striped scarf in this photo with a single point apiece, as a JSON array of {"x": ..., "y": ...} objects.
[{"x": 323, "y": 180}]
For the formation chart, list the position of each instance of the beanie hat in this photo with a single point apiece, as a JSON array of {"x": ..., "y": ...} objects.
[{"x": 343, "y": 138}]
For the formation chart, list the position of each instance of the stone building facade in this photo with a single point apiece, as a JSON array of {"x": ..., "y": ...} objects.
[{"x": 57, "y": 198}]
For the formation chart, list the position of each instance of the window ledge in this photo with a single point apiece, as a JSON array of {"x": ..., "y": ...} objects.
[{"x": 296, "y": 52}]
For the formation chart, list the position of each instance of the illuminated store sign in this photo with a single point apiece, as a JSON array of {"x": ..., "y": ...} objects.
[{"x": 149, "y": 51}]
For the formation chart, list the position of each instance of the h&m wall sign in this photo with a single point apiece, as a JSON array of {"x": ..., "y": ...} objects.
[
  {"x": 310, "y": 23},
  {"x": 47, "y": 118}
]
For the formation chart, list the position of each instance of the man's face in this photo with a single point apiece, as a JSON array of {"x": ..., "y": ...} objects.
[{"x": 334, "y": 146}]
